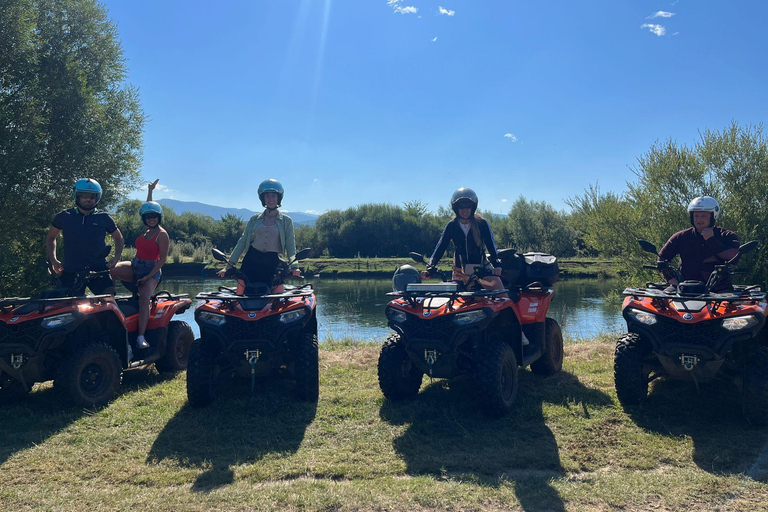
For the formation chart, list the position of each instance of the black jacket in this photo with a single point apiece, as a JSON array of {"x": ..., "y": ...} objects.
[{"x": 465, "y": 249}]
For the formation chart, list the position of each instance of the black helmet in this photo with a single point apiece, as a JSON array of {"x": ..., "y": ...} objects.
[
  {"x": 404, "y": 275},
  {"x": 463, "y": 195}
]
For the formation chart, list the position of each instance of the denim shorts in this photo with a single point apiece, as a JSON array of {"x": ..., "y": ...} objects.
[{"x": 142, "y": 268}]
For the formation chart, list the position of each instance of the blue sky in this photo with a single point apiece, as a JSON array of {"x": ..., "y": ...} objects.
[{"x": 355, "y": 101}]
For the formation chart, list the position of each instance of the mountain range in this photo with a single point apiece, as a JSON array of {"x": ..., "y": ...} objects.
[{"x": 217, "y": 212}]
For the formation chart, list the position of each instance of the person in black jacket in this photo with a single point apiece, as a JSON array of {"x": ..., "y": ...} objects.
[{"x": 470, "y": 234}]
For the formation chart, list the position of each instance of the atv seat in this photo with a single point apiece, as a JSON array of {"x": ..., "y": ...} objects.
[{"x": 128, "y": 305}]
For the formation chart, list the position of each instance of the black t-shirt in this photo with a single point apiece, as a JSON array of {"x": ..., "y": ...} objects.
[{"x": 83, "y": 236}]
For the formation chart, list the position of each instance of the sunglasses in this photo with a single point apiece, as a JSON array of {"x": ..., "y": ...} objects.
[
  {"x": 151, "y": 216},
  {"x": 86, "y": 195}
]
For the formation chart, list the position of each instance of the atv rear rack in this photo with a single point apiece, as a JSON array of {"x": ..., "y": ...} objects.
[{"x": 748, "y": 294}]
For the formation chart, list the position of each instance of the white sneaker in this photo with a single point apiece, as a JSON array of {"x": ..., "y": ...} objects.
[{"x": 141, "y": 342}]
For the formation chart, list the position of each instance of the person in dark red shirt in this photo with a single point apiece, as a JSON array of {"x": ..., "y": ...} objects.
[{"x": 702, "y": 246}]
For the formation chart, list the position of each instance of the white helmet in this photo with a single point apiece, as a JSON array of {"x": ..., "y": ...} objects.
[{"x": 704, "y": 204}]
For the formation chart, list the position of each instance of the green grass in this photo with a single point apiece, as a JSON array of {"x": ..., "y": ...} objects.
[{"x": 566, "y": 446}]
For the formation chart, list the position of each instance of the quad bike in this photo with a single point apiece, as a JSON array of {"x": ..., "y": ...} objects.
[
  {"x": 445, "y": 329},
  {"x": 690, "y": 332},
  {"x": 254, "y": 334},
  {"x": 83, "y": 343}
]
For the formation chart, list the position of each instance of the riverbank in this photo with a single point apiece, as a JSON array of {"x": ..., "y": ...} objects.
[
  {"x": 573, "y": 268},
  {"x": 567, "y": 446}
]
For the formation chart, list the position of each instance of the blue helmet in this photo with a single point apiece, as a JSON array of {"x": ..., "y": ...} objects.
[
  {"x": 88, "y": 185},
  {"x": 271, "y": 185},
  {"x": 151, "y": 207}
]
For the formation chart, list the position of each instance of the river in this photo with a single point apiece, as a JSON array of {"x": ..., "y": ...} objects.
[{"x": 355, "y": 307}]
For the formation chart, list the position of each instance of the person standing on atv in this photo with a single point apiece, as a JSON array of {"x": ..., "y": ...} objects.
[
  {"x": 83, "y": 228},
  {"x": 267, "y": 235},
  {"x": 145, "y": 269},
  {"x": 702, "y": 246},
  {"x": 469, "y": 232}
]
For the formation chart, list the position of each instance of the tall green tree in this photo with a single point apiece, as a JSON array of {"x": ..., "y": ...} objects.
[{"x": 65, "y": 113}]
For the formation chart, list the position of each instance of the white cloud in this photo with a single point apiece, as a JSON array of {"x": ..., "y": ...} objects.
[
  {"x": 162, "y": 188},
  {"x": 435, "y": 39},
  {"x": 447, "y": 12},
  {"x": 659, "y": 30},
  {"x": 315, "y": 180},
  {"x": 660, "y": 14},
  {"x": 511, "y": 136},
  {"x": 397, "y": 7},
  {"x": 503, "y": 200}
]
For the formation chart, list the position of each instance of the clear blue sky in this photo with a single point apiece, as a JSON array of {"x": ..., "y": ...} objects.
[{"x": 354, "y": 101}]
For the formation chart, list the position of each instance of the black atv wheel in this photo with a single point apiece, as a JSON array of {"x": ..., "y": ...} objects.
[
  {"x": 91, "y": 376},
  {"x": 755, "y": 387},
  {"x": 11, "y": 390},
  {"x": 497, "y": 377},
  {"x": 201, "y": 378},
  {"x": 551, "y": 361},
  {"x": 399, "y": 378},
  {"x": 630, "y": 374},
  {"x": 180, "y": 338},
  {"x": 306, "y": 367}
]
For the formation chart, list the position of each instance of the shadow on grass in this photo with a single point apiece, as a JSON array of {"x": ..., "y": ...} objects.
[
  {"x": 32, "y": 419},
  {"x": 449, "y": 435},
  {"x": 723, "y": 441},
  {"x": 237, "y": 428}
]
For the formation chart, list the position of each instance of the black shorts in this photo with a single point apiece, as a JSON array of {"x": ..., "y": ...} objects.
[
  {"x": 260, "y": 267},
  {"x": 99, "y": 285}
]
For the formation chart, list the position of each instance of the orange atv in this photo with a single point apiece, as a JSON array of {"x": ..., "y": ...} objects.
[
  {"x": 445, "y": 329},
  {"x": 690, "y": 332},
  {"x": 83, "y": 343},
  {"x": 254, "y": 334}
]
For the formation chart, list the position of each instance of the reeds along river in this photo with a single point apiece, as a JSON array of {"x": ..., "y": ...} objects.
[{"x": 355, "y": 307}]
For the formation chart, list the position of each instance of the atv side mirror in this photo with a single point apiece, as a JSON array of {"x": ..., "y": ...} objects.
[
  {"x": 748, "y": 247},
  {"x": 218, "y": 255},
  {"x": 418, "y": 258},
  {"x": 647, "y": 246},
  {"x": 303, "y": 254}
]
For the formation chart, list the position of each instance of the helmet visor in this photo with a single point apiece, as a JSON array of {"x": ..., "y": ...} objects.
[
  {"x": 151, "y": 215},
  {"x": 87, "y": 195},
  {"x": 464, "y": 204}
]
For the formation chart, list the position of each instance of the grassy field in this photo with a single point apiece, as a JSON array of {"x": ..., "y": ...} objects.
[{"x": 567, "y": 446}]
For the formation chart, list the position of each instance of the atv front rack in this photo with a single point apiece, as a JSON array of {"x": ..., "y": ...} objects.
[
  {"x": 748, "y": 294},
  {"x": 304, "y": 291},
  {"x": 11, "y": 302}
]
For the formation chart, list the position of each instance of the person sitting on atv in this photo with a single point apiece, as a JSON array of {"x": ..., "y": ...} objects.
[
  {"x": 83, "y": 228},
  {"x": 702, "y": 246},
  {"x": 145, "y": 269},
  {"x": 469, "y": 232},
  {"x": 269, "y": 234}
]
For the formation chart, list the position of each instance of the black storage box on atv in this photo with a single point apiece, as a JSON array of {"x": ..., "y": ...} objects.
[{"x": 531, "y": 267}]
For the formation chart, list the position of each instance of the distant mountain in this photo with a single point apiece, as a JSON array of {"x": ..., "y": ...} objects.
[{"x": 217, "y": 212}]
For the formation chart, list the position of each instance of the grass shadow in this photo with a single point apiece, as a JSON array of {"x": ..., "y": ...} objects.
[
  {"x": 238, "y": 428},
  {"x": 724, "y": 442},
  {"x": 448, "y": 435},
  {"x": 31, "y": 420}
]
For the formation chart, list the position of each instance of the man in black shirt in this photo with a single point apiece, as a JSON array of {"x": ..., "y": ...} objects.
[{"x": 84, "y": 229}]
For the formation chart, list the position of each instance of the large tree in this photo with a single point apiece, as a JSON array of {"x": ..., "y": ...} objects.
[{"x": 66, "y": 112}]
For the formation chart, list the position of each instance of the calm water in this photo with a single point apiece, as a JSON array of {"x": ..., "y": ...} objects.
[{"x": 355, "y": 307}]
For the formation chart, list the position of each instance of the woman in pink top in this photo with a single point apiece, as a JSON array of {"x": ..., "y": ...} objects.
[{"x": 144, "y": 269}]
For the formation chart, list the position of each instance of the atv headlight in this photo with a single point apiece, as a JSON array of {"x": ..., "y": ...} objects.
[
  {"x": 642, "y": 316},
  {"x": 396, "y": 315},
  {"x": 211, "y": 318},
  {"x": 738, "y": 323},
  {"x": 292, "y": 316},
  {"x": 53, "y": 322},
  {"x": 469, "y": 317}
]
